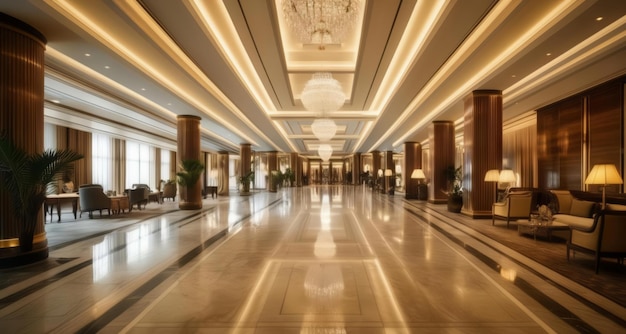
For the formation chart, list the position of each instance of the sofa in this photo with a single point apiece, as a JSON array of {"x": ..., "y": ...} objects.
[{"x": 573, "y": 211}]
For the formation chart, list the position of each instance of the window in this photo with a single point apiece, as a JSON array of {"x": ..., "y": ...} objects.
[
  {"x": 139, "y": 164},
  {"x": 165, "y": 164},
  {"x": 102, "y": 161}
]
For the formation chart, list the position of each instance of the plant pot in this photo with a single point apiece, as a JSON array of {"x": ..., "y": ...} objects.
[{"x": 455, "y": 203}]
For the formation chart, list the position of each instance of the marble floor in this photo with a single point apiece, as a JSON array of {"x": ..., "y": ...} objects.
[{"x": 317, "y": 259}]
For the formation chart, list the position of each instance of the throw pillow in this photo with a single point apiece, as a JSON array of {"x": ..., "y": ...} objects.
[{"x": 581, "y": 208}]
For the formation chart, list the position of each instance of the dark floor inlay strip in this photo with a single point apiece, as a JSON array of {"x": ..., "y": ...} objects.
[{"x": 12, "y": 298}]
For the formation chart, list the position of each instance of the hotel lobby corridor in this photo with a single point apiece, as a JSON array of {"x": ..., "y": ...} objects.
[{"x": 315, "y": 259}]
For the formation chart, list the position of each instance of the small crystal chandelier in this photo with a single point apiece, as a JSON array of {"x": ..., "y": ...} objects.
[
  {"x": 322, "y": 93},
  {"x": 325, "y": 151},
  {"x": 320, "y": 21}
]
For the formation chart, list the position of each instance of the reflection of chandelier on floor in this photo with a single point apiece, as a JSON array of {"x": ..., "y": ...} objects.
[
  {"x": 320, "y": 21},
  {"x": 324, "y": 282}
]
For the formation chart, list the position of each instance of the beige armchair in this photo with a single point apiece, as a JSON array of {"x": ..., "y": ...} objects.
[
  {"x": 169, "y": 191},
  {"x": 516, "y": 205},
  {"x": 604, "y": 239},
  {"x": 91, "y": 198},
  {"x": 138, "y": 196}
]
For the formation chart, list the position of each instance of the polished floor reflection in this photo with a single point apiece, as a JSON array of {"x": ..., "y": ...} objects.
[{"x": 319, "y": 259}]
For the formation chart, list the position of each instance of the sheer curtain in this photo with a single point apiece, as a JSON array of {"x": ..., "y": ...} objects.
[
  {"x": 102, "y": 161},
  {"x": 140, "y": 162}
]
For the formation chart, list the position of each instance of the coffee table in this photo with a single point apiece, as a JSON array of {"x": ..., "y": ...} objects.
[{"x": 525, "y": 226}]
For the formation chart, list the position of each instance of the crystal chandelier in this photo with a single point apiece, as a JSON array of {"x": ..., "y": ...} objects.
[
  {"x": 325, "y": 151},
  {"x": 324, "y": 129},
  {"x": 320, "y": 21},
  {"x": 322, "y": 93}
]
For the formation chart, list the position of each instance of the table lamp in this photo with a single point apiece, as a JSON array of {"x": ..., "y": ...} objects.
[{"x": 604, "y": 174}]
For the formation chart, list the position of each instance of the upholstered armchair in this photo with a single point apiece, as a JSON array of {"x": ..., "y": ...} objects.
[
  {"x": 138, "y": 196},
  {"x": 604, "y": 239},
  {"x": 169, "y": 191},
  {"x": 91, "y": 198},
  {"x": 516, "y": 205}
]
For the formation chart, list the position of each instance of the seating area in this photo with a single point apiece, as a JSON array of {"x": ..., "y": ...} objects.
[{"x": 578, "y": 217}]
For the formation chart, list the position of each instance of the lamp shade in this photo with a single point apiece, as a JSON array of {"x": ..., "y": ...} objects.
[
  {"x": 604, "y": 174},
  {"x": 492, "y": 175},
  {"x": 388, "y": 172},
  {"x": 507, "y": 176},
  {"x": 418, "y": 174}
]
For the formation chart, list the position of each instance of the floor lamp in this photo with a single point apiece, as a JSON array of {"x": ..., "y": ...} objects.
[
  {"x": 388, "y": 174},
  {"x": 419, "y": 175},
  {"x": 493, "y": 175},
  {"x": 604, "y": 174}
]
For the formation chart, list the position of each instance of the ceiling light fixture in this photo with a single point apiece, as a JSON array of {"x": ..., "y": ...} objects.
[
  {"x": 325, "y": 151},
  {"x": 322, "y": 94},
  {"x": 320, "y": 21}
]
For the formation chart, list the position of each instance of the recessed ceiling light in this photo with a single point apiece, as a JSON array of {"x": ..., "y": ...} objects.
[
  {"x": 107, "y": 67},
  {"x": 599, "y": 18},
  {"x": 143, "y": 89},
  {"x": 514, "y": 76},
  {"x": 87, "y": 54},
  {"x": 548, "y": 54},
  {"x": 55, "y": 101}
]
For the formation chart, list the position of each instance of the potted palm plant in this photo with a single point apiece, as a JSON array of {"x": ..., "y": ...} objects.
[
  {"x": 26, "y": 177},
  {"x": 455, "y": 189},
  {"x": 245, "y": 182},
  {"x": 188, "y": 177}
]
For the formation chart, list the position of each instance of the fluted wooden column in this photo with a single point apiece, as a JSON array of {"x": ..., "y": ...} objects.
[
  {"x": 21, "y": 119},
  {"x": 376, "y": 165},
  {"x": 389, "y": 180},
  {"x": 483, "y": 149},
  {"x": 441, "y": 139},
  {"x": 272, "y": 166},
  {"x": 245, "y": 156},
  {"x": 223, "y": 181},
  {"x": 412, "y": 160},
  {"x": 189, "y": 149},
  {"x": 357, "y": 169},
  {"x": 293, "y": 164}
]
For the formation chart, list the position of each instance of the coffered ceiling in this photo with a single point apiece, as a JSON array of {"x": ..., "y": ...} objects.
[{"x": 129, "y": 67}]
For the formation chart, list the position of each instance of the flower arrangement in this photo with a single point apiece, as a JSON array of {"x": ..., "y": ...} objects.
[{"x": 545, "y": 213}]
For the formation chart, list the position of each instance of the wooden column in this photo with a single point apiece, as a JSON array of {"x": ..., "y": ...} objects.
[
  {"x": 295, "y": 168},
  {"x": 376, "y": 165},
  {"x": 188, "y": 136},
  {"x": 483, "y": 150},
  {"x": 441, "y": 139},
  {"x": 272, "y": 167},
  {"x": 21, "y": 119},
  {"x": 245, "y": 155},
  {"x": 357, "y": 169},
  {"x": 412, "y": 160},
  {"x": 389, "y": 180},
  {"x": 223, "y": 170}
]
